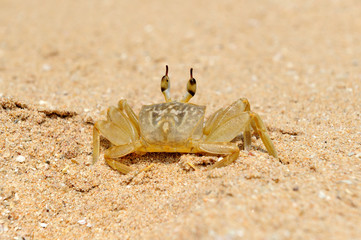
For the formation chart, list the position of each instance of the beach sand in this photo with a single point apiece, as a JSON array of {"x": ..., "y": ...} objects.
[{"x": 63, "y": 63}]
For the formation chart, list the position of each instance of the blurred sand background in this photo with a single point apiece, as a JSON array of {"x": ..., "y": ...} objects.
[{"x": 63, "y": 63}]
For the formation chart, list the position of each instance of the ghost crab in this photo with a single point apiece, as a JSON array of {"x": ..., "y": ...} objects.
[{"x": 178, "y": 126}]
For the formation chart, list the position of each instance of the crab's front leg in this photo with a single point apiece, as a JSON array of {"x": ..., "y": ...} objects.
[
  {"x": 115, "y": 152},
  {"x": 225, "y": 124},
  {"x": 260, "y": 128},
  {"x": 222, "y": 116},
  {"x": 122, "y": 129},
  {"x": 124, "y": 107}
]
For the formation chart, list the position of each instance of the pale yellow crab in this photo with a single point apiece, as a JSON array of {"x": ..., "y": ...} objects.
[{"x": 178, "y": 126}]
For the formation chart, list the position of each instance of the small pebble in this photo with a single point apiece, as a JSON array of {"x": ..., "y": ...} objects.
[
  {"x": 350, "y": 154},
  {"x": 277, "y": 57},
  {"x": 41, "y": 102},
  {"x": 20, "y": 159},
  {"x": 322, "y": 195},
  {"x": 148, "y": 28},
  {"x": 82, "y": 221},
  {"x": 345, "y": 181},
  {"x": 3, "y": 228},
  {"x": 43, "y": 225},
  {"x": 46, "y": 67}
]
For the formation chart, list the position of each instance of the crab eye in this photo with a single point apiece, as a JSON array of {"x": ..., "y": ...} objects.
[
  {"x": 165, "y": 85},
  {"x": 191, "y": 88},
  {"x": 192, "y": 85}
]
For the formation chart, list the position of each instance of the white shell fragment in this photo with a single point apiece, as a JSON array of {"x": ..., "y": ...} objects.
[
  {"x": 82, "y": 221},
  {"x": 43, "y": 225},
  {"x": 20, "y": 159}
]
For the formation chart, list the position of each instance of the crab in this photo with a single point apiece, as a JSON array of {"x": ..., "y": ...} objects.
[{"x": 178, "y": 126}]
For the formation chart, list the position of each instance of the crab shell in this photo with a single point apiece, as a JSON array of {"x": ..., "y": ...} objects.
[{"x": 172, "y": 123}]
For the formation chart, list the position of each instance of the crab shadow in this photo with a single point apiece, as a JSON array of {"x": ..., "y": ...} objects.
[
  {"x": 166, "y": 157},
  {"x": 151, "y": 157}
]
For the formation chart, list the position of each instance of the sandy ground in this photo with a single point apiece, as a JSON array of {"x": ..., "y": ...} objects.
[{"x": 63, "y": 63}]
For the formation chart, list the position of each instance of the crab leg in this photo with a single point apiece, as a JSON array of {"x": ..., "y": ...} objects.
[
  {"x": 227, "y": 129},
  {"x": 119, "y": 151},
  {"x": 233, "y": 118},
  {"x": 261, "y": 130},
  {"x": 221, "y": 148},
  {"x": 212, "y": 121},
  {"x": 120, "y": 119},
  {"x": 247, "y": 141},
  {"x": 122, "y": 130},
  {"x": 225, "y": 124},
  {"x": 96, "y": 145},
  {"x": 124, "y": 107},
  {"x": 112, "y": 132}
]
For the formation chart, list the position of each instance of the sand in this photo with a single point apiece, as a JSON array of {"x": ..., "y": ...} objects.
[{"x": 63, "y": 63}]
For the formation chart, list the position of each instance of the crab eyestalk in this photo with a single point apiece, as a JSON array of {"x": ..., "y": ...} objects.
[
  {"x": 165, "y": 85},
  {"x": 191, "y": 88}
]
